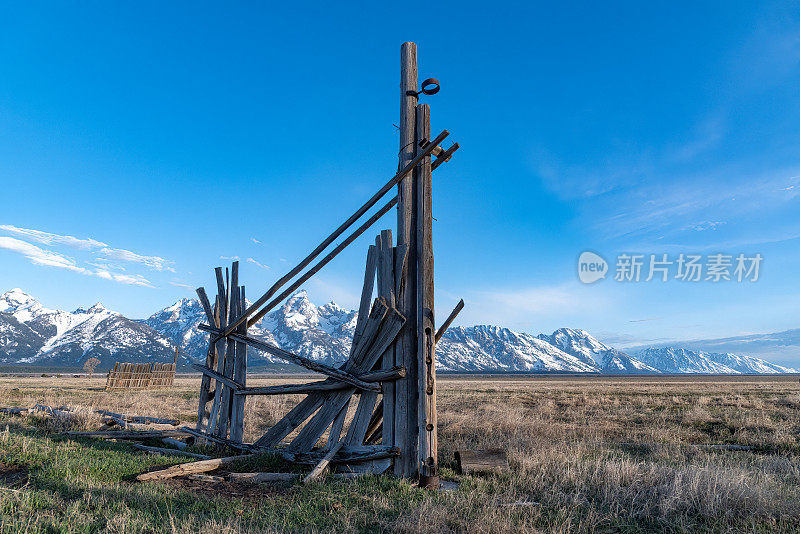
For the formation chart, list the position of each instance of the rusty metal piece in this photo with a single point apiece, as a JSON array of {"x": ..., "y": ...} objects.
[{"x": 429, "y": 482}]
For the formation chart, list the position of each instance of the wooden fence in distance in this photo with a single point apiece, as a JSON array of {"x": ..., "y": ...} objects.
[{"x": 140, "y": 375}]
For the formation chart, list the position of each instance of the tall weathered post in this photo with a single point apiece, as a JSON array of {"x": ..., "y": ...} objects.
[
  {"x": 406, "y": 346},
  {"x": 426, "y": 332}
]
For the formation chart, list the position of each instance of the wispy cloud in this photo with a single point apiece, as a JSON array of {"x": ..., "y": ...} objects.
[
  {"x": 256, "y": 241},
  {"x": 49, "y": 258},
  {"x": 179, "y": 284},
  {"x": 229, "y": 258},
  {"x": 254, "y": 262},
  {"x": 98, "y": 247}
]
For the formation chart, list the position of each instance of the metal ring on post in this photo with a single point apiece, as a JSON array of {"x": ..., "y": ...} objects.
[{"x": 430, "y": 86}]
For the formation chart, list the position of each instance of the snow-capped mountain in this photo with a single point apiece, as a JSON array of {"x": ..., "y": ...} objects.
[
  {"x": 33, "y": 334},
  {"x": 492, "y": 348},
  {"x": 589, "y": 350},
  {"x": 680, "y": 360}
]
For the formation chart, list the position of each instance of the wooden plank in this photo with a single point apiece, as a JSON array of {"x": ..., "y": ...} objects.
[
  {"x": 219, "y": 440},
  {"x": 387, "y": 286},
  {"x": 385, "y": 336},
  {"x": 405, "y": 390},
  {"x": 449, "y": 320},
  {"x": 204, "y": 302},
  {"x": 206, "y": 393},
  {"x": 240, "y": 376},
  {"x": 366, "y": 295},
  {"x": 299, "y": 360},
  {"x": 382, "y": 375},
  {"x": 223, "y": 420},
  {"x": 229, "y": 382},
  {"x": 219, "y": 349},
  {"x": 482, "y": 461},
  {"x": 444, "y": 156},
  {"x": 169, "y": 452},
  {"x": 300, "y": 413},
  {"x": 296, "y": 417},
  {"x": 358, "y": 428},
  {"x": 401, "y": 174},
  {"x": 125, "y": 434},
  {"x": 425, "y": 322},
  {"x": 333, "y": 403},
  {"x": 320, "y": 468},
  {"x": 203, "y": 466},
  {"x": 336, "y": 427}
]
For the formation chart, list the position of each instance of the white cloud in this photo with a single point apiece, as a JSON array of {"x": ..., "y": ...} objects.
[
  {"x": 254, "y": 240},
  {"x": 47, "y": 238},
  {"x": 178, "y": 284},
  {"x": 48, "y": 258},
  {"x": 230, "y": 258},
  {"x": 39, "y": 256},
  {"x": 92, "y": 245},
  {"x": 254, "y": 262},
  {"x": 154, "y": 262}
]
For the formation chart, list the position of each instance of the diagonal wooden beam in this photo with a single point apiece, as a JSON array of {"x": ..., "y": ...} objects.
[
  {"x": 300, "y": 413},
  {"x": 449, "y": 320},
  {"x": 296, "y": 359},
  {"x": 230, "y": 382},
  {"x": 339, "y": 231},
  {"x": 324, "y": 261},
  {"x": 383, "y": 375}
]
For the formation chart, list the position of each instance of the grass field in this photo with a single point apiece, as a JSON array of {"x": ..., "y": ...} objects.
[{"x": 588, "y": 454}]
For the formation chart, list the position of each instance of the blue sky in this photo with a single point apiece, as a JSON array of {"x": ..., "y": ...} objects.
[{"x": 617, "y": 128}]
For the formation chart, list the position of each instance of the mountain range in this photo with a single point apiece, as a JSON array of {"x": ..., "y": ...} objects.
[{"x": 34, "y": 335}]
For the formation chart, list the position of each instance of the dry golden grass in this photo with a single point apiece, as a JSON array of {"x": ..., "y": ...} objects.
[{"x": 587, "y": 454}]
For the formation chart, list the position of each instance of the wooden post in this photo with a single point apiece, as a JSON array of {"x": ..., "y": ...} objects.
[
  {"x": 425, "y": 329},
  {"x": 406, "y": 346},
  {"x": 239, "y": 375}
]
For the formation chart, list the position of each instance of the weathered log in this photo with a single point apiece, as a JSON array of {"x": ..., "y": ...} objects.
[
  {"x": 482, "y": 461},
  {"x": 203, "y": 466},
  {"x": 125, "y": 434},
  {"x": 140, "y": 419}
]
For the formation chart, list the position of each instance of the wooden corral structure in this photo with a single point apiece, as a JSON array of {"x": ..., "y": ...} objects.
[
  {"x": 141, "y": 375},
  {"x": 389, "y": 378}
]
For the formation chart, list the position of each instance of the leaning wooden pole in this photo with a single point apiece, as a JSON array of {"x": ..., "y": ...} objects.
[{"x": 406, "y": 345}]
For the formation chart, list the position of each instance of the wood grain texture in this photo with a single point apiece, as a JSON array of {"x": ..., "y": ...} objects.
[{"x": 405, "y": 348}]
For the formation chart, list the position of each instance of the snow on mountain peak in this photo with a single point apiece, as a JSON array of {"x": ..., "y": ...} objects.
[{"x": 15, "y": 299}]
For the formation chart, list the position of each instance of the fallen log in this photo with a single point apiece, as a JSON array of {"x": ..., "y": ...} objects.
[
  {"x": 125, "y": 434},
  {"x": 203, "y": 466},
  {"x": 139, "y": 419}
]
